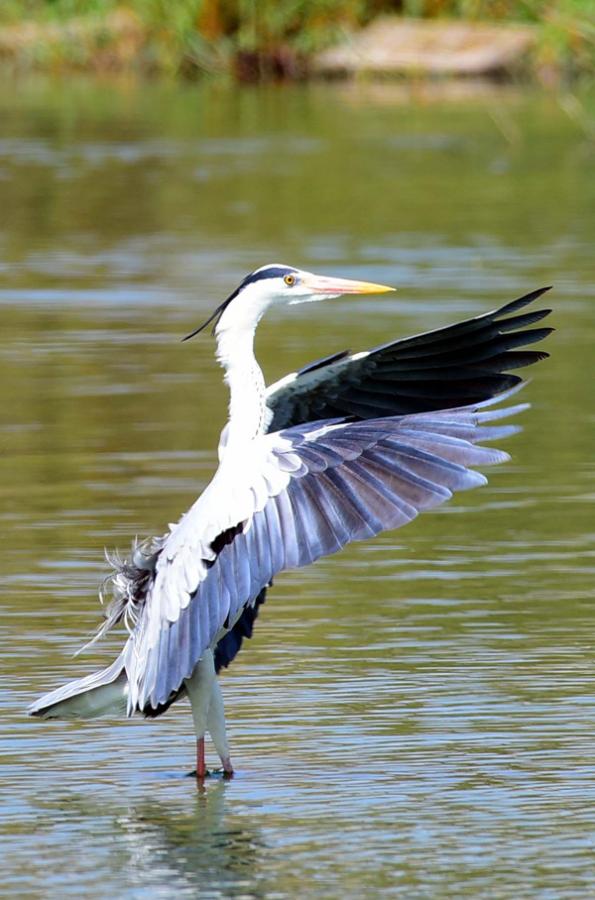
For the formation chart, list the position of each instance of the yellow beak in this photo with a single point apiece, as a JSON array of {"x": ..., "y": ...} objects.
[{"x": 320, "y": 284}]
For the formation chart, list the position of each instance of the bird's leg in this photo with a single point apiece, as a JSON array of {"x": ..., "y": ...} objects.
[
  {"x": 199, "y": 687},
  {"x": 201, "y": 768},
  {"x": 216, "y": 726}
]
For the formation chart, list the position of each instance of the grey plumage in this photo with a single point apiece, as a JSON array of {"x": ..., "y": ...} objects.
[
  {"x": 356, "y": 445},
  {"x": 341, "y": 482}
]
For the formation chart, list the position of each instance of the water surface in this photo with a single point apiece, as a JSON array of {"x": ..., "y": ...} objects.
[{"x": 414, "y": 717}]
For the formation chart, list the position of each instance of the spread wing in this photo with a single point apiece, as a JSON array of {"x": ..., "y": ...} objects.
[
  {"x": 307, "y": 492},
  {"x": 463, "y": 363},
  {"x": 449, "y": 367}
]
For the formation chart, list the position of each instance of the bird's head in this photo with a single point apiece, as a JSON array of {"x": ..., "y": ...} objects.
[{"x": 276, "y": 284}]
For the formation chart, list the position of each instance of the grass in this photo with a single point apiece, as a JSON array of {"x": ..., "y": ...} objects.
[{"x": 259, "y": 38}]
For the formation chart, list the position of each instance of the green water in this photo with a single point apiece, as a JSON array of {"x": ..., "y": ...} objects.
[{"x": 414, "y": 717}]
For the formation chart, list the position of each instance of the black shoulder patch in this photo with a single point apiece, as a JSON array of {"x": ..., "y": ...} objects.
[
  {"x": 226, "y": 537},
  {"x": 222, "y": 540}
]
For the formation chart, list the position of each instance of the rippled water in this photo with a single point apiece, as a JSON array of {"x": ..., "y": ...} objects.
[{"x": 414, "y": 717}]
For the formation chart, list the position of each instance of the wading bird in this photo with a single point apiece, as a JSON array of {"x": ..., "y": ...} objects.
[{"x": 350, "y": 446}]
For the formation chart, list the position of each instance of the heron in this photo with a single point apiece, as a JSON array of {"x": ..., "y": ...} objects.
[{"x": 348, "y": 447}]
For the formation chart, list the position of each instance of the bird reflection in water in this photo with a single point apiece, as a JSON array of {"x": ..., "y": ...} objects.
[{"x": 201, "y": 844}]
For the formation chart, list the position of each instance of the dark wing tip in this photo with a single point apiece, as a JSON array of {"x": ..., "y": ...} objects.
[{"x": 520, "y": 302}]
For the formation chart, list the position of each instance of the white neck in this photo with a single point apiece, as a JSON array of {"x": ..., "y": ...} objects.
[{"x": 247, "y": 406}]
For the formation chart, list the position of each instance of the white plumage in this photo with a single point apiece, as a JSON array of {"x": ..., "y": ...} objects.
[{"x": 283, "y": 499}]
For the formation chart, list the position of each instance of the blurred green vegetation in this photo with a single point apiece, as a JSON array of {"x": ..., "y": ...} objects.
[{"x": 255, "y": 38}]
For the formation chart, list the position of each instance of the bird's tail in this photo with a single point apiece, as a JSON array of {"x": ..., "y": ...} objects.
[{"x": 99, "y": 694}]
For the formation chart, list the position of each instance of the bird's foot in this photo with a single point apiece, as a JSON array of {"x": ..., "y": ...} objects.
[
  {"x": 227, "y": 770},
  {"x": 194, "y": 774},
  {"x": 201, "y": 772},
  {"x": 225, "y": 774}
]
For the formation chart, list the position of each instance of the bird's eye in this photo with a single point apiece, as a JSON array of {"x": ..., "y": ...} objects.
[{"x": 289, "y": 280}]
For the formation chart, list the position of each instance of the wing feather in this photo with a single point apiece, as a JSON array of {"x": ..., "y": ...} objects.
[
  {"x": 327, "y": 484},
  {"x": 288, "y": 533},
  {"x": 334, "y": 518},
  {"x": 273, "y": 535},
  {"x": 461, "y": 364}
]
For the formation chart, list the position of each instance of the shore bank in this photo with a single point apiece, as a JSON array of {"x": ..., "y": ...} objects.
[{"x": 551, "y": 48}]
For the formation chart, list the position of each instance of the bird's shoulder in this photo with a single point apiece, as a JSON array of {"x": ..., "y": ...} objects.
[{"x": 247, "y": 476}]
